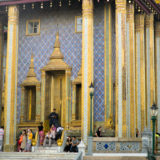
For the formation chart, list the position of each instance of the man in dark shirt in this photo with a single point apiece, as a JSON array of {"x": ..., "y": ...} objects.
[
  {"x": 54, "y": 119},
  {"x": 98, "y": 133}
]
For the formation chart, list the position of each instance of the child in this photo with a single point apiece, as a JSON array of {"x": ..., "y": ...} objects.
[
  {"x": 23, "y": 141},
  {"x": 29, "y": 140}
]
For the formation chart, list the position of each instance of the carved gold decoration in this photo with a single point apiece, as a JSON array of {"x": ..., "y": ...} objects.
[
  {"x": 75, "y": 82},
  {"x": 110, "y": 123},
  {"x": 30, "y": 81},
  {"x": 56, "y": 86},
  {"x": 31, "y": 78}
]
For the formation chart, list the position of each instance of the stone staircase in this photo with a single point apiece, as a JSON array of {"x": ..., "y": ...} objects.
[{"x": 37, "y": 156}]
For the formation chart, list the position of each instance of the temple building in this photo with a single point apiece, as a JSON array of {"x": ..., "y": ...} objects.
[{"x": 52, "y": 50}]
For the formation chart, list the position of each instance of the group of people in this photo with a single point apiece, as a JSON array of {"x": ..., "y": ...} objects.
[
  {"x": 25, "y": 141},
  {"x": 71, "y": 145}
]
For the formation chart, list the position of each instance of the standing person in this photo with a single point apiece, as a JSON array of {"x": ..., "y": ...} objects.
[
  {"x": 19, "y": 142},
  {"x": 41, "y": 135},
  {"x": 59, "y": 133},
  {"x": 1, "y": 137},
  {"x": 74, "y": 144},
  {"x": 98, "y": 132},
  {"x": 29, "y": 140},
  {"x": 23, "y": 139},
  {"x": 53, "y": 119},
  {"x": 137, "y": 132}
]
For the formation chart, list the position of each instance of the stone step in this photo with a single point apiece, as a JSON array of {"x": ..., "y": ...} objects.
[
  {"x": 113, "y": 158},
  {"x": 36, "y": 156},
  {"x": 116, "y": 156},
  {"x": 45, "y": 149}
]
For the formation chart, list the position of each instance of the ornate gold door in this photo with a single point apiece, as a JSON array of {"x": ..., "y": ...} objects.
[{"x": 57, "y": 95}]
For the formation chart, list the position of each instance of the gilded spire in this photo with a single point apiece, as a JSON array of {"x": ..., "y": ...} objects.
[
  {"x": 57, "y": 52},
  {"x": 31, "y": 72},
  {"x": 31, "y": 78}
]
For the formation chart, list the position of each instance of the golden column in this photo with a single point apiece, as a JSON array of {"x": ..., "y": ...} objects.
[
  {"x": 10, "y": 104},
  {"x": 130, "y": 41},
  {"x": 108, "y": 61},
  {"x": 140, "y": 73},
  {"x": 1, "y": 66},
  {"x": 157, "y": 62},
  {"x": 120, "y": 121},
  {"x": 150, "y": 65},
  {"x": 87, "y": 64},
  {"x": 73, "y": 102}
]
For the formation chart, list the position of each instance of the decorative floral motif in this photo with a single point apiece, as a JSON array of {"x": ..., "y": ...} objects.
[
  {"x": 105, "y": 146},
  {"x": 129, "y": 146}
]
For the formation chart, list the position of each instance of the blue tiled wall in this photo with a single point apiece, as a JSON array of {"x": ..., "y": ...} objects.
[
  {"x": 42, "y": 48},
  {"x": 99, "y": 64}
]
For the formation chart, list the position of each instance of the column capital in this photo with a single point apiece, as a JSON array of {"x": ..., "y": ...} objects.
[
  {"x": 139, "y": 22},
  {"x": 87, "y": 7},
  {"x": 121, "y": 5},
  {"x": 13, "y": 14},
  {"x": 149, "y": 20},
  {"x": 130, "y": 12}
]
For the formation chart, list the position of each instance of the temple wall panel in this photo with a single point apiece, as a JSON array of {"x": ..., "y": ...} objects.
[
  {"x": 99, "y": 110},
  {"x": 71, "y": 43}
]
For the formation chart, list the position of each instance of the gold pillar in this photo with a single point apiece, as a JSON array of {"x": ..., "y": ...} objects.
[
  {"x": 52, "y": 92},
  {"x": 43, "y": 95},
  {"x": 38, "y": 104},
  {"x": 73, "y": 102},
  {"x": 157, "y": 62},
  {"x": 68, "y": 100},
  {"x": 140, "y": 73},
  {"x": 150, "y": 64},
  {"x": 22, "y": 104},
  {"x": 108, "y": 61},
  {"x": 87, "y": 64},
  {"x": 131, "y": 70},
  {"x": 30, "y": 103},
  {"x": 10, "y": 105},
  {"x": 1, "y": 66},
  {"x": 120, "y": 68}
]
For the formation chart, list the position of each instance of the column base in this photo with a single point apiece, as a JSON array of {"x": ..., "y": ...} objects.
[
  {"x": 9, "y": 148},
  {"x": 90, "y": 145}
]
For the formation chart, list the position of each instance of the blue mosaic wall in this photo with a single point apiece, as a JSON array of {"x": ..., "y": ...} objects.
[
  {"x": 42, "y": 45},
  {"x": 99, "y": 109},
  {"x": 42, "y": 48}
]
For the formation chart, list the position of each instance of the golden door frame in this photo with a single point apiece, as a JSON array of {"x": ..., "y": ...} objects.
[
  {"x": 56, "y": 64},
  {"x": 76, "y": 124}
]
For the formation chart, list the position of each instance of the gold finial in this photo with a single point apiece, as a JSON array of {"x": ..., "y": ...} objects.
[
  {"x": 31, "y": 67},
  {"x": 57, "y": 52},
  {"x": 57, "y": 43},
  {"x": 31, "y": 76}
]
